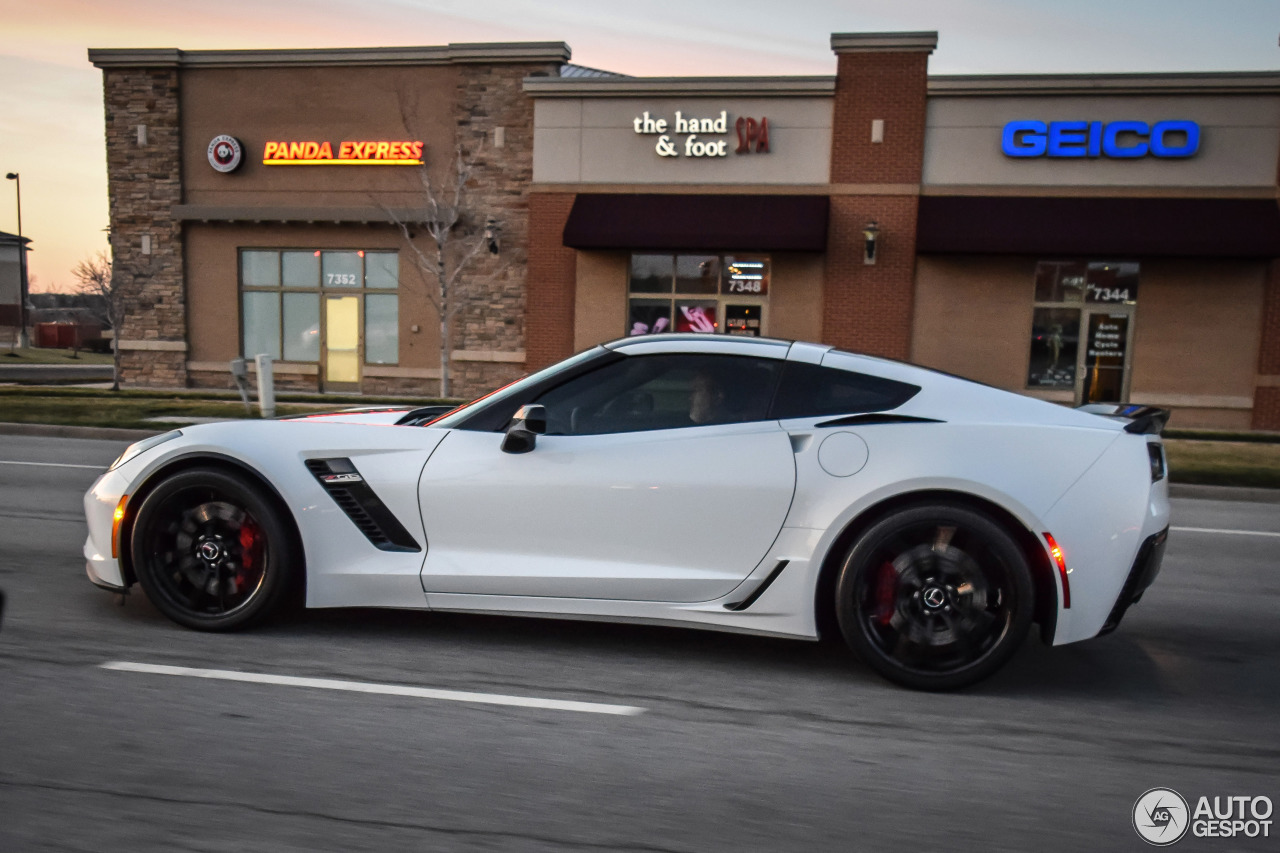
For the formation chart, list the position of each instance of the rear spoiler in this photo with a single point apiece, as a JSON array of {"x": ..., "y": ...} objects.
[{"x": 1142, "y": 420}]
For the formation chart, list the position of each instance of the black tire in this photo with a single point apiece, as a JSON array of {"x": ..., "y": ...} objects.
[
  {"x": 211, "y": 551},
  {"x": 935, "y": 597}
]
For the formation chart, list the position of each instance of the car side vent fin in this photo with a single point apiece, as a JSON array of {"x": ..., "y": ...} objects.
[
  {"x": 877, "y": 418},
  {"x": 367, "y": 512},
  {"x": 758, "y": 591}
]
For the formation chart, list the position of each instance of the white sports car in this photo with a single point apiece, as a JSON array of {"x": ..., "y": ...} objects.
[{"x": 720, "y": 482}]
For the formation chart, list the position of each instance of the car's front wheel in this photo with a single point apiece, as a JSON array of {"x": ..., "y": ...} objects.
[
  {"x": 935, "y": 597},
  {"x": 211, "y": 551}
]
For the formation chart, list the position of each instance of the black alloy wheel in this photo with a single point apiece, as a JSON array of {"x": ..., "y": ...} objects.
[
  {"x": 211, "y": 552},
  {"x": 935, "y": 597}
]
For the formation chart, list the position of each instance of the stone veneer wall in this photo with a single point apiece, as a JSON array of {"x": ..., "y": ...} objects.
[
  {"x": 490, "y": 96},
  {"x": 143, "y": 183}
]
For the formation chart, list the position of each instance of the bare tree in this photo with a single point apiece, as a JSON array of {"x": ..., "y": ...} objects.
[
  {"x": 106, "y": 303},
  {"x": 460, "y": 234}
]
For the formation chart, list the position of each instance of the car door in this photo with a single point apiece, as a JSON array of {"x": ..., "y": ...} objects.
[{"x": 650, "y": 485}]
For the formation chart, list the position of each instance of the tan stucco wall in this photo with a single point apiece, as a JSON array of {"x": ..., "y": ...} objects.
[
  {"x": 258, "y": 105},
  {"x": 600, "y": 300},
  {"x": 795, "y": 296},
  {"x": 593, "y": 140},
  {"x": 213, "y": 284},
  {"x": 1197, "y": 334},
  {"x": 973, "y": 317},
  {"x": 1196, "y": 330},
  {"x": 1239, "y": 144}
]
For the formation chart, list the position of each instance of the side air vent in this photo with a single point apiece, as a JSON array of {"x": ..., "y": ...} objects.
[{"x": 362, "y": 505}]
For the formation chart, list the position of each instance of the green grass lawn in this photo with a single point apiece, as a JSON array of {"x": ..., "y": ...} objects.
[
  {"x": 34, "y": 355},
  {"x": 125, "y": 412},
  {"x": 1224, "y": 463}
]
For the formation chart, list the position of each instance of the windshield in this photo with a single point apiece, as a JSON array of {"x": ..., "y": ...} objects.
[{"x": 465, "y": 411}]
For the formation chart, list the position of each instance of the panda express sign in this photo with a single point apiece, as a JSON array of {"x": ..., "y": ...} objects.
[{"x": 362, "y": 153}]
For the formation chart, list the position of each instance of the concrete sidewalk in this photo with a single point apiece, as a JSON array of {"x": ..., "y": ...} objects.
[{"x": 55, "y": 372}]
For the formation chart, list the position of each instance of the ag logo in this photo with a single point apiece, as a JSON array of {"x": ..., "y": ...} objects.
[
  {"x": 225, "y": 153},
  {"x": 1161, "y": 817}
]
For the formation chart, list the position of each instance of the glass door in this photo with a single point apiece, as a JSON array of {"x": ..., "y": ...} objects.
[
  {"x": 342, "y": 343},
  {"x": 1105, "y": 363}
]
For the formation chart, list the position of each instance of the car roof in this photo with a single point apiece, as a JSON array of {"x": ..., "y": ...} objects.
[{"x": 694, "y": 342}]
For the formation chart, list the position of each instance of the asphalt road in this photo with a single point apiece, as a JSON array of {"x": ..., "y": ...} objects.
[{"x": 743, "y": 744}]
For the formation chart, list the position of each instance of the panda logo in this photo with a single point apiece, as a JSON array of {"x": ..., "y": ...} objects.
[{"x": 225, "y": 153}]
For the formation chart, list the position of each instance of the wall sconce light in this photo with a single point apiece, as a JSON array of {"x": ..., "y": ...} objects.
[
  {"x": 491, "y": 231},
  {"x": 870, "y": 233}
]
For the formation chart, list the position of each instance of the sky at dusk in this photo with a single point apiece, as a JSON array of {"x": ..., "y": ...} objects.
[{"x": 51, "y": 119}]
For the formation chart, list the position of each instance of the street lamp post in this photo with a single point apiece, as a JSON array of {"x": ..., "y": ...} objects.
[{"x": 22, "y": 268}]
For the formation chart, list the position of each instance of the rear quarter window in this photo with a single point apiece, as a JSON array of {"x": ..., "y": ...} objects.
[{"x": 809, "y": 390}]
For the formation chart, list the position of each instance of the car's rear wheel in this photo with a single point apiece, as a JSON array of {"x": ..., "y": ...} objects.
[
  {"x": 935, "y": 597},
  {"x": 211, "y": 551}
]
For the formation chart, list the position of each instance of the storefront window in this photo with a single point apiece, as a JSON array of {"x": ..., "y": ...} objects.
[
  {"x": 652, "y": 273},
  {"x": 697, "y": 274},
  {"x": 1090, "y": 300},
  {"x": 710, "y": 293},
  {"x": 281, "y": 302},
  {"x": 301, "y": 326},
  {"x": 381, "y": 329},
  {"x": 299, "y": 269},
  {"x": 340, "y": 269},
  {"x": 260, "y": 269},
  {"x": 1055, "y": 341},
  {"x": 262, "y": 324}
]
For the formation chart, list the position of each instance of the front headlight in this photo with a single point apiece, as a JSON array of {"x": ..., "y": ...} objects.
[{"x": 139, "y": 446}]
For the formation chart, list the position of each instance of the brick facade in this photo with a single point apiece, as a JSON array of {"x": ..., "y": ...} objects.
[
  {"x": 868, "y": 307},
  {"x": 888, "y": 86},
  {"x": 144, "y": 182},
  {"x": 552, "y": 280}
]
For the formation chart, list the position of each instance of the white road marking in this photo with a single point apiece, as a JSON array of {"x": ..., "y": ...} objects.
[
  {"x": 385, "y": 689},
  {"x": 1223, "y": 530},
  {"x": 54, "y": 465}
]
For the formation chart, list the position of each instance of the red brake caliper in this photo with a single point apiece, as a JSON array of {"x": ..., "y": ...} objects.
[
  {"x": 886, "y": 593},
  {"x": 248, "y": 552}
]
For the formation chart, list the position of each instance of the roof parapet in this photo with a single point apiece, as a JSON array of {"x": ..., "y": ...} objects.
[
  {"x": 1177, "y": 83},
  {"x": 691, "y": 87},
  {"x": 479, "y": 52},
  {"x": 925, "y": 41}
]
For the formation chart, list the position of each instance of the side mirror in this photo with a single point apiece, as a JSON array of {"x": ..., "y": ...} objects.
[{"x": 522, "y": 435}]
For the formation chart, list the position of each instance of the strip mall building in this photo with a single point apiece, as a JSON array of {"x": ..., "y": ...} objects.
[{"x": 1072, "y": 237}]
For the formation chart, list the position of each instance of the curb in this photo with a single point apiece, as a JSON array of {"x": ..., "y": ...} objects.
[
  {"x": 1224, "y": 493},
  {"x": 54, "y": 431}
]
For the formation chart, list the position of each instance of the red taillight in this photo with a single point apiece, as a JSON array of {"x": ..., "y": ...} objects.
[
  {"x": 116, "y": 518},
  {"x": 1061, "y": 563}
]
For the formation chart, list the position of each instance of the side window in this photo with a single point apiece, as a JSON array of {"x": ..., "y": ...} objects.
[
  {"x": 808, "y": 391},
  {"x": 651, "y": 392}
]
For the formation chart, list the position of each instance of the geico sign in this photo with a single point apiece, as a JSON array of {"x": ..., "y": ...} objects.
[{"x": 1121, "y": 140}]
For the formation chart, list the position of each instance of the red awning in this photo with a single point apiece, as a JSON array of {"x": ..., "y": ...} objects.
[
  {"x": 762, "y": 223},
  {"x": 1176, "y": 227}
]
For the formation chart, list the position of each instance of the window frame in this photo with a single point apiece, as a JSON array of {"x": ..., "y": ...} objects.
[
  {"x": 320, "y": 290},
  {"x": 1086, "y": 311},
  {"x": 696, "y": 361},
  {"x": 673, "y": 297}
]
